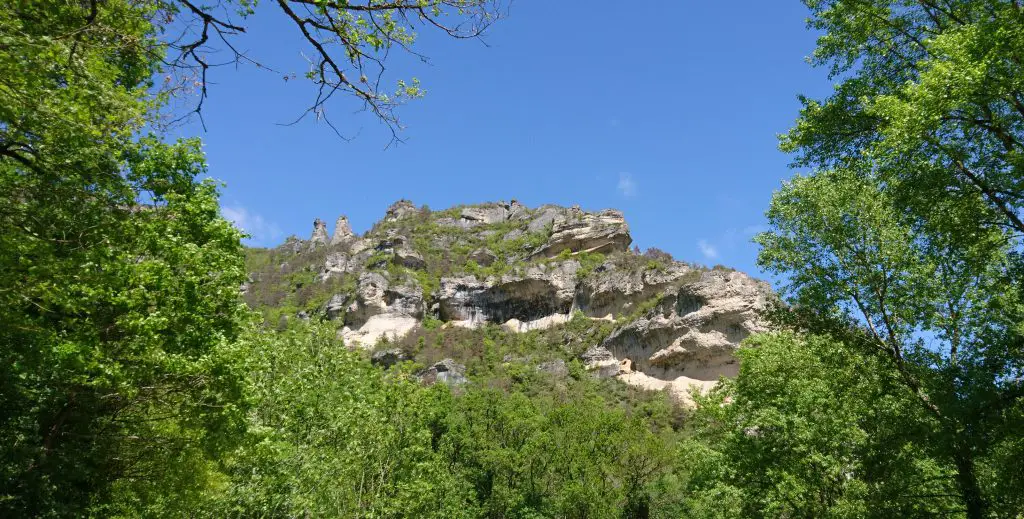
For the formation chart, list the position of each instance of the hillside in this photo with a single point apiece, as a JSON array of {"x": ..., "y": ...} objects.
[{"x": 501, "y": 283}]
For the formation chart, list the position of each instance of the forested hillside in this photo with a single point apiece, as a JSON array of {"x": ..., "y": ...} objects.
[{"x": 496, "y": 360}]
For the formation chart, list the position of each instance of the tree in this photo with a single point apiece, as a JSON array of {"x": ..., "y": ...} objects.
[
  {"x": 118, "y": 278},
  {"x": 349, "y": 44},
  {"x": 812, "y": 428},
  {"x": 331, "y": 435},
  {"x": 910, "y": 224}
]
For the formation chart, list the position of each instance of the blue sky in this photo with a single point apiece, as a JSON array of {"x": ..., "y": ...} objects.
[{"x": 668, "y": 111}]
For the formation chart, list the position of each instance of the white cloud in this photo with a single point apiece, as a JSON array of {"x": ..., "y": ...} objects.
[
  {"x": 627, "y": 186},
  {"x": 261, "y": 231},
  {"x": 709, "y": 251}
]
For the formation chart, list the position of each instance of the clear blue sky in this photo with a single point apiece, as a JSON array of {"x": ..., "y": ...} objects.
[{"x": 668, "y": 111}]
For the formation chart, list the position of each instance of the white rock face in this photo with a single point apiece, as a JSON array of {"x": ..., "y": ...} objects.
[
  {"x": 378, "y": 310},
  {"x": 691, "y": 337},
  {"x": 515, "y": 325},
  {"x": 614, "y": 290},
  {"x": 392, "y": 326},
  {"x": 336, "y": 264}
]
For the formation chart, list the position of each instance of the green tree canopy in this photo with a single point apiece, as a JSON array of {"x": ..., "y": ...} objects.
[{"x": 910, "y": 223}]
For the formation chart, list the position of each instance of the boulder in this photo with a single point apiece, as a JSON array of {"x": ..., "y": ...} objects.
[
  {"x": 517, "y": 211},
  {"x": 483, "y": 257},
  {"x": 389, "y": 357},
  {"x": 545, "y": 216},
  {"x": 604, "y": 232},
  {"x": 410, "y": 258},
  {"x": 483, "y": 215},
  {"x": 399, "y": 210},
  {"x": 446, "y": 372}
]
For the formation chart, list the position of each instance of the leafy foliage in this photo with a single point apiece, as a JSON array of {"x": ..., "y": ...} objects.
[{"x": 909, "y": 228}]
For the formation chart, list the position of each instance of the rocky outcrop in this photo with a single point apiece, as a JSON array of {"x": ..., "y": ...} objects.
[
  {"x": 524, "y": 301},
  {"x": 409, "y": 258},
  {"x": 614, "y": 289},
  {"x": 483, "y": 215},
  {"x": 446, "y": 372},
  {"x": 293, "y": 244},
  {"x": 399, "y": 210},
  {"x": 604, "y": 232},
  {"x": 483, "y": 257},
  {"x": 674, "y": 325},
  {"x": 691, "y": 335},
  {"x": 600, "y": 361},
  {"x": 379, "y": 310},
  {"x": 545, "y": 216},
  {"x": 342, "y": 232},
  {"x": 319, "y": 237}
]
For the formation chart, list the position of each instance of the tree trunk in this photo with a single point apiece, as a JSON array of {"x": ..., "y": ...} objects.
[{"x": 968, "y": 483}]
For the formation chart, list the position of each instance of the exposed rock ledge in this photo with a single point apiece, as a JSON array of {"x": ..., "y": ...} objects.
[
  {"x": 687, "y": 339},
  {"x": 690, "y": 337}
]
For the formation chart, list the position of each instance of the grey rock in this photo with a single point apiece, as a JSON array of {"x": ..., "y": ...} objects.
[
  {"x": 600, "y": 362},
  {"x": 516, "y": 211},
  {"x": 513, "y": 234},
  {"x": 446, "y": 372},
  {"x": 483, "y": 214},
  {"x": 604, "y": 232},
  {"x": 319, "y": 237},
  {"x": 342, "y": 232},
  {"x": 376, "y": 295},
  {"x": 483, "y": 257},
  {"x": 389, "y": 357},
  {"x": 596, "y": 354},
  {"x": 545, "y": 216},
  {"x": 294, "y": 244},
  {"x": 613, "y": 289},
  {"x": 399, "y": 210},
  {"x": 695, "y": 329},
  {"x": 555, "y": 367},
  {"x": 541, "y": 291},
  {"x": 335, "y": 306},
  {"x": 391, "y": 242},
  {"x": 410, "y": 258},
  {"x": 336, "y": 264}
]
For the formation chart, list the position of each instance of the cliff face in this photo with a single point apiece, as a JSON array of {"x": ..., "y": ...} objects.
[{"x": 671, "y": 324}]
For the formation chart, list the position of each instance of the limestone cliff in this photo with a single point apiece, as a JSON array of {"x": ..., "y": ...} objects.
[{"x": 671, "y": 324}]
